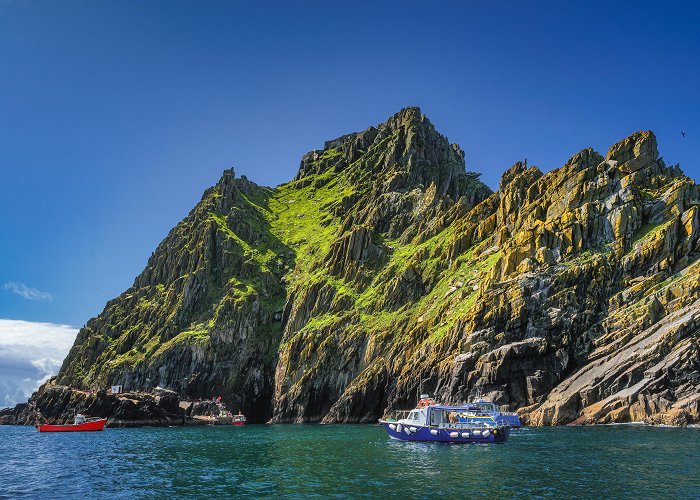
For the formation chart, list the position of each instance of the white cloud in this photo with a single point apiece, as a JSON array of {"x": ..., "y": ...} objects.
[
  {"x": 26, "y": 292},
  {"x": 30, "y": 353}
]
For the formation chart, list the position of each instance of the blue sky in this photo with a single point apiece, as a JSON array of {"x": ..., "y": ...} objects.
[{"x": 116, "y": 115}]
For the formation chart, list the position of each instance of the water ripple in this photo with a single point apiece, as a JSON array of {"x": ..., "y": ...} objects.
[{"x": 297, "y": 461}]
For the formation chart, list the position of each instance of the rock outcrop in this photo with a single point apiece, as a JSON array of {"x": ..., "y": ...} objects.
[
  {"x": 58, "y": 404},
  {"x": 385, "y": 269}
]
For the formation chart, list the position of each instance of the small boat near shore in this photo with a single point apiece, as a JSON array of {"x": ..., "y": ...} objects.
[
  {"x": 80, "y": 423},
  {"x": 238, "y": 419},
  {"x": 434, "y": 422}
]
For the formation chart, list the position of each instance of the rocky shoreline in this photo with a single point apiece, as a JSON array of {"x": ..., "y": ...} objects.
[{"x": 57, "y": 404}]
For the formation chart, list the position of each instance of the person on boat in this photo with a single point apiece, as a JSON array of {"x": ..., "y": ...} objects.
[{"x": 425, "y": 401}]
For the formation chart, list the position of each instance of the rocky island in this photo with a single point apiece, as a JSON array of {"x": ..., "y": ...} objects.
[{"x": 385, "y": 268}]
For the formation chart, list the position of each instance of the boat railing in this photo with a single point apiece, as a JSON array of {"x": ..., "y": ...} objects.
[
  {"x": 464, "y": 425},
  {"x": 398, "y": 415}
]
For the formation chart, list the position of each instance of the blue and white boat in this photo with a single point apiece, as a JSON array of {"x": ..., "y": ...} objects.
[{"x": 445, "y": 424}]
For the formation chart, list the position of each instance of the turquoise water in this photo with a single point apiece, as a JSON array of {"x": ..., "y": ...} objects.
[{"x": 348, "y": 460}]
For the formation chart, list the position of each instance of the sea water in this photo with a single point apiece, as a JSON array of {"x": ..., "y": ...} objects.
[{"x": 347, "y": 461}]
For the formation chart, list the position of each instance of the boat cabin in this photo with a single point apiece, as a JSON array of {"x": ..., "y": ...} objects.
[
  {"x": 444, "y": 417},
  {"x": 419, "y": 416},
  {"x": 450, "y": 417},
  {"x": 482, "y": 408}
]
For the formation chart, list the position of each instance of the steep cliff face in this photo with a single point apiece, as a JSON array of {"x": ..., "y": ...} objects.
[
  {"x": 384, "y": 269},
  {"x": 204, "y": 317},
  {"x": 590, "y": 313},
  {"x": 352, "y": 299}
]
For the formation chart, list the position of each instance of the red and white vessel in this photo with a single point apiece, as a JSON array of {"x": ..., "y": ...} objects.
[
  {"x": 80, "y": 423},
  {"x": 238, "y": 419}
]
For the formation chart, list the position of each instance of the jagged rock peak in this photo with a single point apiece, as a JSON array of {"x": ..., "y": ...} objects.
[
  {"x": 518, "y": 168},
  {"x": 229, "y": 186},
  {"x": 585, "y": 158},
  {"x": 407, "y": 118},
  {"x": 407, "y": 141},
  {"x": 635, "y": 153},
  {"x": 642, "y": 143},
  {"x": 517, "y": 171}
]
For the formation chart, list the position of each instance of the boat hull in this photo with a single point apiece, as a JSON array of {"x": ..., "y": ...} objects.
[
  {"x": 237, "y": 423},
  {"x": 432, "y": 434},
  {"x": 95, "y": 425}
]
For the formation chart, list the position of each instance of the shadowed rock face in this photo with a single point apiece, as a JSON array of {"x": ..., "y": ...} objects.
[{"x": 384, "y": 269}]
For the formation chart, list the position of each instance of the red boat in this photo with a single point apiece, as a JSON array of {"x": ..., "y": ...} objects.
[
  {"x": 79, "y": 424},
  {"x": 238, "y": 419}
]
